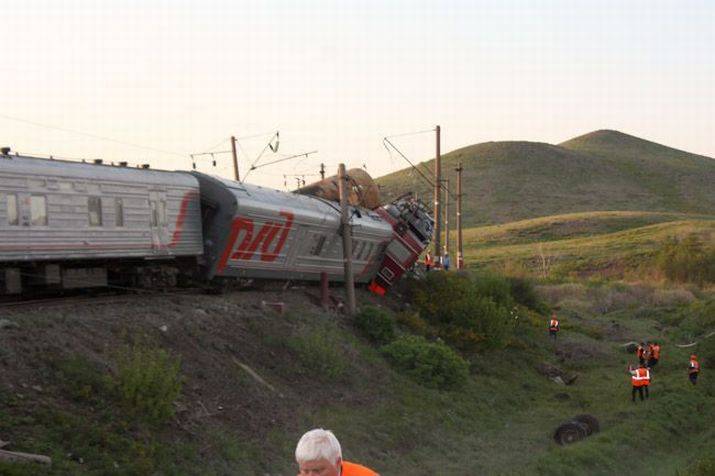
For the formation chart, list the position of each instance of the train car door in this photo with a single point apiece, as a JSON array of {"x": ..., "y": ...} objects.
[{"x": 159, "y": 222}]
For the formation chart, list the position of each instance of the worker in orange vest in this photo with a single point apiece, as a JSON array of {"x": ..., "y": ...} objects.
[
  {"x": 653, "y": 355},
  {"x": 640, "y": 353},
  {"x": 554, "y": 326},
  {"x": 319, "y": 454},
  {"x": 640, "y": 379},
  {"x": 693, "y": 369},
  {"x": 429, "y": 261}
]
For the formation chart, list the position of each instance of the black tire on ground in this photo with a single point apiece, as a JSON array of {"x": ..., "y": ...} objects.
[
  {"x": 591, "y": 422},
  {"x": 570, "y": 432}
]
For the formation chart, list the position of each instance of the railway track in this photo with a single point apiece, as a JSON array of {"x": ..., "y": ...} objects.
[{"x": 103, "y": 298}]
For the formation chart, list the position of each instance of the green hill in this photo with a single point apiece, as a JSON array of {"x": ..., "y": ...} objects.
[{"x": 603, "y": 170}]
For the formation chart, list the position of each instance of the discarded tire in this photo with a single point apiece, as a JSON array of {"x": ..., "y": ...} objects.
[
  {"x": 570, "y": 432},
  {"x": 591, "y": 422}
]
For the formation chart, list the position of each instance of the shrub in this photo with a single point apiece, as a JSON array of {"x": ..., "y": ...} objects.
[
  {"x": 415, "y": 323},
  {"x": 465, "y": 313},
  {"x": 496, "y": 288},
  {"x": 377, "y": 324},
  {"x": 321, "y": 352},
  {"x": 524, "y": 293},
  {"x": 148, "y": 382},
  {"x": 687, "y": 260},
  {"x": 431, "y": 364}
]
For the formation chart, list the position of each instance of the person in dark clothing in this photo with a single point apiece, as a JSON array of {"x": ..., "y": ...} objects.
[{"x": 693, "y": 369}]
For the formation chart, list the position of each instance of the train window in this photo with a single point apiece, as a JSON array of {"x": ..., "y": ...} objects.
[
  {"x": 367, "y": 251},
  {"x": 13, "y": 217},
  {"x": 162, "y": 213},
  {"x": 94, "y": 205},
  {"x": 357, "y": 248},
  {"x": 318, "y": 247},
  {"x": 38, "y": 210},
  {"x": 118, "y": 212},
  {"x": 154, "y": 213}
]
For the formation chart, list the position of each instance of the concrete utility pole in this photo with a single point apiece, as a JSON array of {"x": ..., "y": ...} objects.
[
  {"x": 437, "y": 208},
  {"x": 460, "y": 256},
  {"x": 322, "y": 171},
  {"x": 446, "y": 215},
  {"x": 235, "y": 158},
  {"x": 347, "y": 239}
]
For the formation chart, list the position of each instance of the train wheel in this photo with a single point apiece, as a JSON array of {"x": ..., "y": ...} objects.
[{"x": 590, "y": 421}]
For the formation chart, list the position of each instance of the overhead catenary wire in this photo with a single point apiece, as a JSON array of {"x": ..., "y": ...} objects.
[
  {"x": 93, "y": 136},
  {"x": 386, "y": 141}
]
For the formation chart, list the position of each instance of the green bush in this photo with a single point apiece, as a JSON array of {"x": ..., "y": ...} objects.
[
  {"x": 687, "y": 260},
  {"x": 466, "y": 313},
  {"x": 321, "y": 352},
  {"x": 377, "y": 324},
  {"x": 524, "y": 293},
  {"x": 148, "y": 383},
  {"x": 431, "y": 364},
  {"x": 415, "y": 323}
]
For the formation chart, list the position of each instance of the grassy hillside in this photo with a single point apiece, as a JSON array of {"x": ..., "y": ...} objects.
[
  {"x": 317, "y": 371},
  {"x": 609, "y": 244},
  {"x": 604, "y": 170}
]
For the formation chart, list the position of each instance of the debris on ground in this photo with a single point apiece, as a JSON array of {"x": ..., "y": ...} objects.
[
  {"x": 580, "y": 427},
  {"x": 556, "y": 374}
]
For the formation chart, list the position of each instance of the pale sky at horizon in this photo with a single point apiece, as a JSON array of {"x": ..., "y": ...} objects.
[{"x": 338, "y": 76}]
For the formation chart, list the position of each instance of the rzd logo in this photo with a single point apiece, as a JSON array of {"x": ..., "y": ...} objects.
[{"x": 271, "y": 237}]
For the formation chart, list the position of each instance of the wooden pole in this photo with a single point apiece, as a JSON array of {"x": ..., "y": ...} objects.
[
  {"x": 322, "y": 171},
  {"x": 446, "y": 216},
  {"x": 235, "y": 158},
  {"x": 460, "y": 256},
  {"x": 347, "y": 239},
  {"x": 437, "y": 208}
]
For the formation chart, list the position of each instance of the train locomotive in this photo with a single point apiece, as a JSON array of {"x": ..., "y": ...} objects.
[{"x": 67, "y": 225}]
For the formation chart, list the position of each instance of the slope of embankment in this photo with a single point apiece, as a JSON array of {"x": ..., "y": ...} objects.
[{"x": 251, "y": 380}]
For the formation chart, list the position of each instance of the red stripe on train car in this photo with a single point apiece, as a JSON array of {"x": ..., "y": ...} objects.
[{"x": 179, "y": 227}]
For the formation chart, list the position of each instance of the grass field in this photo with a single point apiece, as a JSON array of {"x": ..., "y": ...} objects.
[{"x": 609, "y": 244}]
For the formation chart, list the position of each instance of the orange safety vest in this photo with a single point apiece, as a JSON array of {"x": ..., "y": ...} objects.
[
  {"x": 429, "y": 261},
  {"x": 656, "y": 352},
  {"x": 640, "y": 377},
  {"x": 554, "y": 325},
  {"x": 640, "y": 352},
  {"x": 353, "y": 469},
  {"x": 694, "y": 367}
]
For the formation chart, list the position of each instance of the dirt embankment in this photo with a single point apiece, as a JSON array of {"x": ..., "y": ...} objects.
[{"x": 238, "y": 367}]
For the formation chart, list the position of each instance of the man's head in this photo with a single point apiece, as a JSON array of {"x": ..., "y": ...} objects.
[
  {"x": 694, "y": 357},
  {"x": 318, "y": 454}
]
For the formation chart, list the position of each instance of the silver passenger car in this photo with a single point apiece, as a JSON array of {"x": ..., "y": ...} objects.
[
  {"x": 257, "y": 232},
  {"x": 64, "y": 223}
]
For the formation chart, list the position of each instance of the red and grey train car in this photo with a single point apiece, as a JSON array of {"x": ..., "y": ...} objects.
[
  {"x": 69, "y": 225},
  {"x": 257, "y": 232}
]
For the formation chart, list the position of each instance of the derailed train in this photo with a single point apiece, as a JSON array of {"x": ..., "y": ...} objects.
[{"x": 76, "y": 225}]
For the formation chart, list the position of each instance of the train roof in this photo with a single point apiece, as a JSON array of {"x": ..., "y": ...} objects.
[
  {"x": 28, "y": 165},
  {"x": 316, "y": 208}
]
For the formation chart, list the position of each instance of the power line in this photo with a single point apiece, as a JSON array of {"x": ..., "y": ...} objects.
[
  {"x": 405, "y": 134},
  {"x": 94, "y": 136},
  {"x": 430, "y": 182}
]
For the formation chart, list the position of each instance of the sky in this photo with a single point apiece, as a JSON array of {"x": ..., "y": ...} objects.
[{"x": 154, "y": 81}]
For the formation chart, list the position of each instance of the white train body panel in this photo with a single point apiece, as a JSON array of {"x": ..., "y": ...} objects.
[
  {"x": 58, "y": 210},
  {"x": 264, "y": 233}
]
